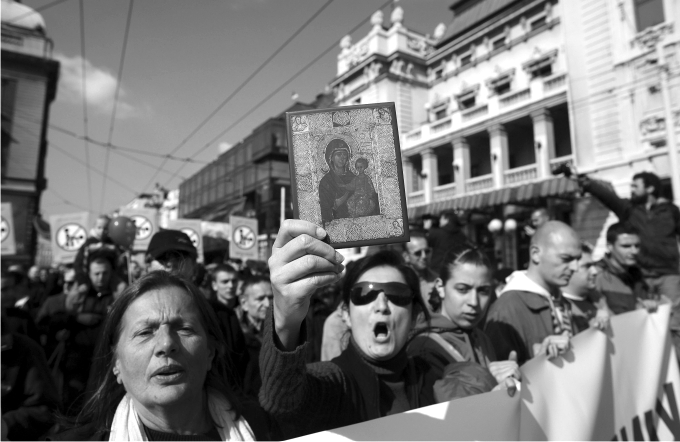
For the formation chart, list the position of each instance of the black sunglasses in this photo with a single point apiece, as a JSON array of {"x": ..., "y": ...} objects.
[
  {"x": 423, "y": 252},
  {"x": 397, "y": 293}
]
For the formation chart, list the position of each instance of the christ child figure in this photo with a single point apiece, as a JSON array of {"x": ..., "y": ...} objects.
[{"x": 362, "y": 201}]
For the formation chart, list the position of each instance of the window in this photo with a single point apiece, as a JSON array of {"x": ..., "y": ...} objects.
[
  {"x": 467, "y": 103},
  {"x": 541, "y": 66},
  {"x": 438, "y": 74},
  {"x": 648, "y": 13},
  {"x": 438, "y": 115},
  {"x": 498, "y": 43},
  {"x": 465, "y": 60},
  {"x": 8, "y": 93}
]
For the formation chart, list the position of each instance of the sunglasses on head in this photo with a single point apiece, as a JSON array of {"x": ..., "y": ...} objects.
[{"x": 397, "y": 293}]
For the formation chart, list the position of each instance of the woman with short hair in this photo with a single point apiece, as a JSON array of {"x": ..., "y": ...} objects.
[{"x": 373, "y": 377}]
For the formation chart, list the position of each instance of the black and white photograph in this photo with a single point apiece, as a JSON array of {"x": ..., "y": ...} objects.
[
  {"x": 339, "y": 220},
  {"x": 346, "y": 168}
]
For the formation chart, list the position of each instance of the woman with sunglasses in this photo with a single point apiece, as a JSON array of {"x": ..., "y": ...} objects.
[
  {"x": 373, "y": 377},
  {"x": 465, "y": 286}
]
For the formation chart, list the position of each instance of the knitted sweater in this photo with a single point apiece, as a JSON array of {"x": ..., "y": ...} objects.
[{"x": 308, "y": 398}]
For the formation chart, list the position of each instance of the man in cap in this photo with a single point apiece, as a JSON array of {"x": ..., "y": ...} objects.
[{"x": 172, "y": 251}]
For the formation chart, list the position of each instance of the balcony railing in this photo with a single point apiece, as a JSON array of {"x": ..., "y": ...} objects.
[
  {"x": 445, "y": 191},
  {"x": 554, "y": 82},
  {"x": 416, "y": 198},
  {"x": 439, "y": 126},
  {"x": 479, "y": 183},
  {"x": 521, "y": 174},
  {"x": 475, "y": 112},
  {"x": 557, "y": 162},
  {"x": 514, "y": 97},
  {"x": 414, "y": 136}
]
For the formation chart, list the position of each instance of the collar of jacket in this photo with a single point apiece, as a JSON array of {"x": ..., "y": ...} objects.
[
  {"x": 533, "y": 301},
  {"x": 366, "y": 381}
]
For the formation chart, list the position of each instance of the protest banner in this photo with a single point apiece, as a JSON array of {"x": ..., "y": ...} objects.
[
  {"x": 193, "y": 229},
  {"x": 9, "y": 245},
  {"x": 243, "y": 242},
  {"x": 620, "y": 385},
  {"x": 146, "y": 221},
  {"x": 69, "y": 232}
]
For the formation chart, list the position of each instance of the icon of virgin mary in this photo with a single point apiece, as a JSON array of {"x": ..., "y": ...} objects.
[{"x": 333, "y": 194}]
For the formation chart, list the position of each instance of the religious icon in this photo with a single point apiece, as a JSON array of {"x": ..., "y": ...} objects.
[{"x": 346, "y": 173}]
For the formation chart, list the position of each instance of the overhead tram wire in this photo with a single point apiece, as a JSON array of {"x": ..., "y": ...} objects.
[
  {"x": 37, "y": 10},
  {"x": 85, "y": 122},
  {"x": 241, "y": 86},
  {"x": 115, "y": 102},
  {"x": 276, "y": 91}
]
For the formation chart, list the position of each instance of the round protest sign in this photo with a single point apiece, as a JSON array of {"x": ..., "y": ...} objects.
[
  {"x": 71, "y": 236},
  {"x": 193, "y": 236},
  {"x": 244, "y": 237},
  {"x": 144, "y": 227}
]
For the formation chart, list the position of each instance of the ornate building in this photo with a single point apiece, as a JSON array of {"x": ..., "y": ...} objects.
[
  {"x": 493, "y": 102},
  {"x": 29, "y": 81}
]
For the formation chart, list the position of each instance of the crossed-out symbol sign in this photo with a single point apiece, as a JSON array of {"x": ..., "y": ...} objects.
[
  {"x": 5, "y": 229},
  {"x": 244, "y": 237},
  {"x": 71, "y": 236},
  {"x": 144, "y": 227},
  {"x": 193, "y": 236}
]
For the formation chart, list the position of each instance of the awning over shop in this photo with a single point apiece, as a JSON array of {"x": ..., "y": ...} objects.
[{"x": 558, "y": 186}]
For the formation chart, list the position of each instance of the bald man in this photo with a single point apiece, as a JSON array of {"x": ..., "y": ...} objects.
[{"x": 532, "y": 317}]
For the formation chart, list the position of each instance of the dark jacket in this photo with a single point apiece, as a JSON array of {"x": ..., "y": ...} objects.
[
  {"x": 308, "y": 398},
  {"x": 472, "y": 345},
  {"x": 517, "y": 321},
  {"x": 621, "y": 288},
  {"x": 29, "y": 396},
  {"x": 659, "y": 228},
  {"x": 442, "y": 240}
]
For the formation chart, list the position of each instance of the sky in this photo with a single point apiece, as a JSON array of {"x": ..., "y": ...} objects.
[{"x": 183, "y": 59}]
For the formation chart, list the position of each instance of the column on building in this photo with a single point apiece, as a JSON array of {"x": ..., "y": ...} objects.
[
  {"x": 430, "y": 168},
  {"x": 407, "y": 167},
  {"x": 500, "y": 157},
  {"x": 461, "y": 163},
  {"x": 544, "y": 141}
]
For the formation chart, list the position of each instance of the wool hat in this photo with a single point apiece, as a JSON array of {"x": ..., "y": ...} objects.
[{"x": 170, "y": 240}]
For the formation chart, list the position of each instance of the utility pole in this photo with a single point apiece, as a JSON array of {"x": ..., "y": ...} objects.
[{"x": 653, "y": 38}]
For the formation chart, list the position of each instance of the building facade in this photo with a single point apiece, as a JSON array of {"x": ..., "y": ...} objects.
[
  {"x": 29, "y": 82},
  {"x": 247, "y": 179},
  {"x": 492, "y": 103}
]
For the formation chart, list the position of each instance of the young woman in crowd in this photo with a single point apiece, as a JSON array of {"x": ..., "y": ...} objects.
[
  {"x": 160, "y": 372},
  {"x": 465, "y": 286},
  {"x": 373, "y": 377}
]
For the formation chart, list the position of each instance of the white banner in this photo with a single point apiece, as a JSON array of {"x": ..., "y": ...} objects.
[
  {"x": 9, "y": 245},
  {"x": 243, "y": 242},
  {"x": 193, "y": 229},
  {"x": 146, "y": 221},
  {"x": 619, "y": 385},
  {"x": 69, "y": 232}
]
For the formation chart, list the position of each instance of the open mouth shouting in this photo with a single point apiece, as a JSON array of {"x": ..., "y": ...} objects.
[{"x": 381, "y": 332}]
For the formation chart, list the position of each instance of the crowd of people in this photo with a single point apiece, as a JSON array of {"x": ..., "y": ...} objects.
[{"x": 175, "y": 350}]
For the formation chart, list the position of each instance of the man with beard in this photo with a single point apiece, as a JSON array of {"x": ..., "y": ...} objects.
[{"x": 657, "y": 222}]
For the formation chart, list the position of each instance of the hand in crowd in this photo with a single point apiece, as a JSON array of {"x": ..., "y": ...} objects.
[
  {"x": 601, "y": 319},
  {"x": 553, "y": 346},
  {"x": 502, "y": 370},
  {"x": 300, "y": 263}
]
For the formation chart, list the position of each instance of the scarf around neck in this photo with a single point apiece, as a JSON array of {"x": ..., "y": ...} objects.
[{"x": 127, "y": 425}]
